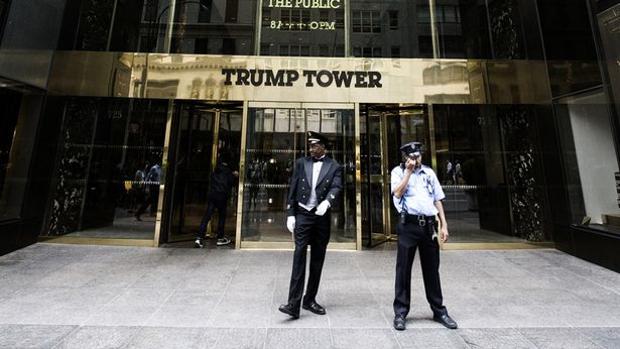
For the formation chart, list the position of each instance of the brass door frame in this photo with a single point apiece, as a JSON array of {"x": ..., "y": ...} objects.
[
  {"x": 385, "y": 173},
  {"x": 357, "y": 245},
  {"x": 162, "y": 184},
  {"x": 385, "y": 169}
]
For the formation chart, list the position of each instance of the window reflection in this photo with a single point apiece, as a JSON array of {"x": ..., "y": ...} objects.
[
  {"x": 302, "y": 31},
  {"x": 214, "y": 27},
  {"x": 451, "y": 29},
  {"x": 454, "y": 29}
]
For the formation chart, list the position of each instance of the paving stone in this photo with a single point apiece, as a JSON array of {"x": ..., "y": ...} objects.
[
  {"x": 357, "y": 317},
  {"x": 364, "y": 339},
  {"x": 122, "y": 315},
  {"x": 495, "y": 338},
  {"x": 141, "y": 297},
  {"x": 430, "y": 338},
  {"x": 557, "y": 338},
  {"x": 181, "y": 316},
  {"x": 298, "y": 338},
  {"x": 98, "y": 337},
  {"x": 608, "y": 338},
  {"x": 169, "y": 338},
  {"x": 241, "y": 338},
  {"x": 32, "y": 336}
]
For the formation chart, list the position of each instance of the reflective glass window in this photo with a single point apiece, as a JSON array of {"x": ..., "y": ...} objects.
[
  {"x": 591, "y": 171},
  {"x": 302, "y": 29},
  {"x": 108, "y": 170},
  {"x": 214, "y": 27},
  {"x": 452, "y": 29}
]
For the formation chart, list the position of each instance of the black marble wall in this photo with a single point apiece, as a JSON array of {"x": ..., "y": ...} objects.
[
  {"x": 71, "y": 170},
  {"x": 522, "y": 162}
]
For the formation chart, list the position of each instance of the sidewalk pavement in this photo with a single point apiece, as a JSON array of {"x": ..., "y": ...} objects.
[{"x": 71, "y": 296}]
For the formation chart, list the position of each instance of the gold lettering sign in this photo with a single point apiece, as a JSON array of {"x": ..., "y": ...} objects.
[
  {"x": 323, "y": 4},
  {"x": 304, "y": 24}
]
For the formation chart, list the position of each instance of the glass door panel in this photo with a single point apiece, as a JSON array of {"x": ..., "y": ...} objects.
[
  {"x": 375, "y": 228},
  {"x": 385, "y": 127},
  {"x": 276, "y": 137},
  {"x": 204, "y": 133}
]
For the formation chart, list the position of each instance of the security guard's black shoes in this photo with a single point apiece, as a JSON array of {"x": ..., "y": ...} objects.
[
  {"x": 446, "y": 320},
  {"x": 314, "y": 307},
  {"x": 289, "y": 310},
  {"x": 400, "y": 324}
]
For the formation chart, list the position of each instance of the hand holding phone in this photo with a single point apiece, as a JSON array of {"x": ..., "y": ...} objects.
[{"x": 410, "y": 164}]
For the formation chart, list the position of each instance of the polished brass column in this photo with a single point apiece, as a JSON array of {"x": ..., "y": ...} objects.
[
  {"x": 169, "y": 27},
  {"x": 244, "y": 138},
  {"x": 434, "y": 37},
  {"x": 215, "y": 131},
  {"x": 385, "y": 176},
  {"x": 431, "y": 137},
  {"x": 162, "y": 177},
  {"x": 358, "y": 179}
]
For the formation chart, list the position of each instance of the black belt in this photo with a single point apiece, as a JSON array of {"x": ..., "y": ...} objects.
[{"x": 420, "y": 220}]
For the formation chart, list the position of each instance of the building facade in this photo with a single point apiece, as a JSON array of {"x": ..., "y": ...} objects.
[{"x": 113, "y": 108}]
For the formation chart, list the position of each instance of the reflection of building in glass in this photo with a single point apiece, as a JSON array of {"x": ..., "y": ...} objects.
[
  {"x": 403, "y": 29},
  {"x": 204, "y": 26}
]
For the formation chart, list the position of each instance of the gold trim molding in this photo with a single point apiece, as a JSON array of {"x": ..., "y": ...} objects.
[
  {"x": 201, "y": 77},
  {"x": 76, "y": 240}
]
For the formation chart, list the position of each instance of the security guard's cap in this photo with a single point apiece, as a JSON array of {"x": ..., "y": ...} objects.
[
  {"x": 316, "y": 138},
  {"x": 412, "y": 148}
]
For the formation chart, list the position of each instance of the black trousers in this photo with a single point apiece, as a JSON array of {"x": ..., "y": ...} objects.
[
  {"x": 214, "y": 203},
  {"x": 314, "y": 231},
  {"x": 149, "y": 200},
  {"x": 412, "y": 236}
]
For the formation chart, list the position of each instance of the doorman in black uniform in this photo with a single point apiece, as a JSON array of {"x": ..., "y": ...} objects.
[
  {"x": 314, "y": 188},
  {"x": 417, "y": 196}
]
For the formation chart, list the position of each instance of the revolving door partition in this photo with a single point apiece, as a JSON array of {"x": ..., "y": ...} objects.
[
  {"x": 203, "y": 133},
  {"x": 275, "y": 137}
]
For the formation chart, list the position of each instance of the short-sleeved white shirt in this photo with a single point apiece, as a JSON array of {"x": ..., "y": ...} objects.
[{"x": 423, "y": 190}]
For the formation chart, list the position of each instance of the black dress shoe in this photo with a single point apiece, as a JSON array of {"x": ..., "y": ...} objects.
[
  {"x": 289, "y": 310},
  {"x": 399, "y": 323},
  {"x": 315, "y": 308},
  {"x": 446, "y": 320}
]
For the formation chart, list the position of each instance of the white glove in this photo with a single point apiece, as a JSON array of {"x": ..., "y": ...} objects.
[
  {"x": 290, "y": 223},
  {"x": 322, "y": 208}
]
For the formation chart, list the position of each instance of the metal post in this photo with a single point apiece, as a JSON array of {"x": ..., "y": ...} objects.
[
  {"x": 244, "y": 131},
  {"x": 358, "y": 179},
  {"x": 434, "y": 36},
  {"x": 170, "y": 26},
  {"x": 111, "y": 30}
]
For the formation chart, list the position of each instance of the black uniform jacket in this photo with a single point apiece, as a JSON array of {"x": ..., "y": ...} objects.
[{"x": 328, "y": 186}]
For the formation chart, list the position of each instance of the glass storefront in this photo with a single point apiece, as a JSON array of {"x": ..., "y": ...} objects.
[
  {"x": 151, "y": 94},
  {"x": 488, "y": 160}
]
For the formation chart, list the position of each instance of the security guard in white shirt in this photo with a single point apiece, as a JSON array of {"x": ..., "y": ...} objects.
[{"x": 417, "y": 196}]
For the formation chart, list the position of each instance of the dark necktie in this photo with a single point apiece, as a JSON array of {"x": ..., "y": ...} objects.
[{"x": 317, "y": 160}]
